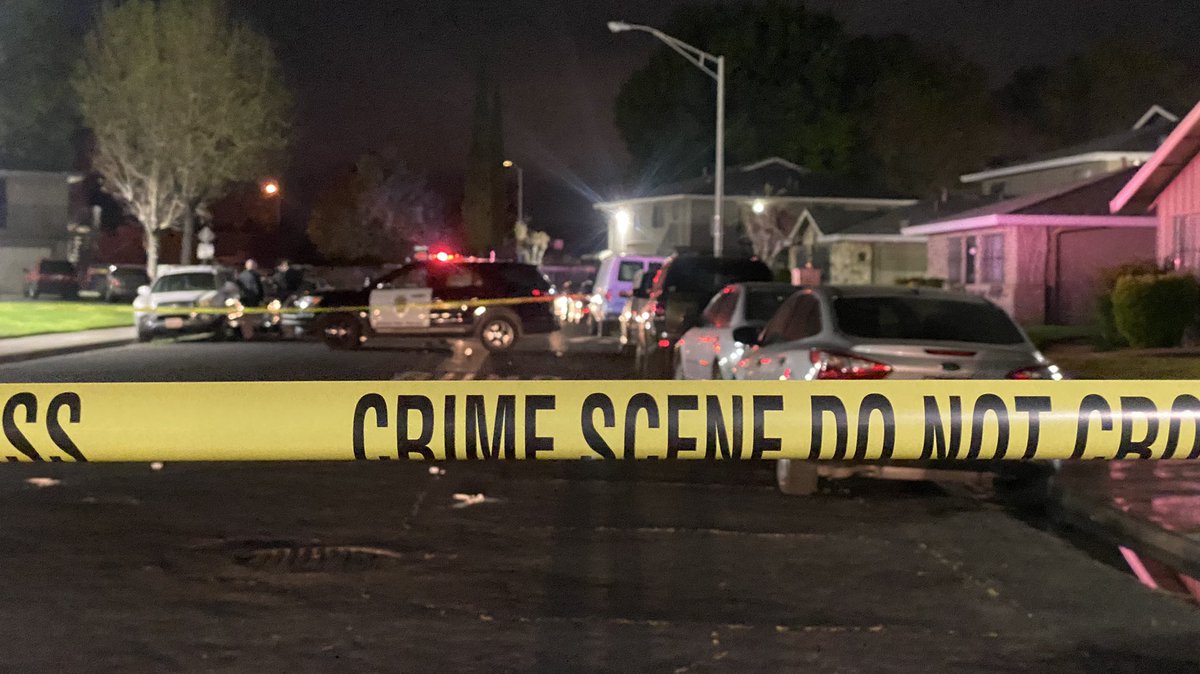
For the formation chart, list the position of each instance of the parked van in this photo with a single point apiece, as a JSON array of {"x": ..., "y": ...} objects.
[{"x": 614, "y": 284}]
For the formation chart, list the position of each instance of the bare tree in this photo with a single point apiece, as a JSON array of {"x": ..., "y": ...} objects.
[
  {"x": 772, "y": 231},
  {"x": 182, "y": 102}
]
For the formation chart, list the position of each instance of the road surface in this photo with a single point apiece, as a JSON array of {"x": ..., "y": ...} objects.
[{"x": 551, "y": 567}]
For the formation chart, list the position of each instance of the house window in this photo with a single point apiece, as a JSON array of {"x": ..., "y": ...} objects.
[
  {"x": 3, "y": 203},
  {"x": 954, "y": 260},
  {"x": 969, "y": 254},
  {"x": 1185, "y": 244},
  {"x": 992, "y": 261},
  {"x": 656, "y": 216}
]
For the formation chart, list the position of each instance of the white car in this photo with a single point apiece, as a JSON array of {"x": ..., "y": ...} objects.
[
  {"x": 709, "y": 351},
  {"x": 167, "y": 307},
  {"x": 613, "y": 285}
]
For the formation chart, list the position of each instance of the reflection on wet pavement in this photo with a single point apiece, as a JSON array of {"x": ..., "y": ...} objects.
[{"x": 1166, "y": 493}]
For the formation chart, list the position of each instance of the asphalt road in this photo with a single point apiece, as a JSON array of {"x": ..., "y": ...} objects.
[{"x": 651, "y": 567}]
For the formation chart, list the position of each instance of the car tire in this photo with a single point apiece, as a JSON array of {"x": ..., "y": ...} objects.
[
  {"x": 33, "y": 292},
  {"x": 498, "y": 333},
  {"x": 144, "y": 335},
  {"x": 796, "y": 478},
  {"x": 223, "y": 333},
  {"x": 342, "y": 332}
]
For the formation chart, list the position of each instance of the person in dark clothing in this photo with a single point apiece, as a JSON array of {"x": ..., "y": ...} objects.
[
  {"x": 287, "y": 279},
  {"x": 251, "y": 285}
]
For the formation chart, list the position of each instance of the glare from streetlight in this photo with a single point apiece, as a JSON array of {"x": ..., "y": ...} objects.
[
  {"x": 508, "y": 163},
  {"x": 270, "y": 188},
  {"x": 759, "y": 207},
  {"x": 618, "y": 26},
  {"x": 623, "y": 219}
]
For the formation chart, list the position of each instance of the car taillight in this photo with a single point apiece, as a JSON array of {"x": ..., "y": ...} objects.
[
  {"x": 829, "y": 365},
  {"x": 607, "y": 295},
  {"x": 1049, "y": 372},
  {"x": 536, "y": 293}
]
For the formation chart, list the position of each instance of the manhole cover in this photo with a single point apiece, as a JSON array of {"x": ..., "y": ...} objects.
[{"x": 316, "y": 558}]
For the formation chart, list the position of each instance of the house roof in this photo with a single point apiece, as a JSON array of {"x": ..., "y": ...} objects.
[
  {"x": 889, "y": 224},
  {"x": 1136, "y": 144},
  {"x": 1079, "y": 204},
  {"x": 774, "y": 177},
  {"x": 1176, "y": 152}
]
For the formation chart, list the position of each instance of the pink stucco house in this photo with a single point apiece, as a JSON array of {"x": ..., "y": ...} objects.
[
  {"x": 1169, "y": 185},
  {"x": 1039, "y": 255}
]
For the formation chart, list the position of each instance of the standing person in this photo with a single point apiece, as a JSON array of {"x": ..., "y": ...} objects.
[
  {"x": 252, "y": 294},
  {"x": 287, "y": 279}
]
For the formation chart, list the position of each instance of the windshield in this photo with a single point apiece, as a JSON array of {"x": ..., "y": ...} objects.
[
  {"x": 56, "y": 267},
  {"x": 707, "y": 275},
  {"x": 924, "y": 319},
  {"x": 182, "y": 282}
]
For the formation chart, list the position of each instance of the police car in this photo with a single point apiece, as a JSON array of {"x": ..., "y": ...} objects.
[{"x": 445, "y": 295}]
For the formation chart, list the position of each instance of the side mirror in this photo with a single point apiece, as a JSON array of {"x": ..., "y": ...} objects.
[
  {"x": 142, "y": 291},
  {"x": 747, "y": 334}
]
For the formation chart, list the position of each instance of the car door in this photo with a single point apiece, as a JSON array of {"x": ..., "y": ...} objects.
[
  {"x": 799, "y": 319},
  {"x": 400, "y": 303},
  {"x": 457, "y": 289}
]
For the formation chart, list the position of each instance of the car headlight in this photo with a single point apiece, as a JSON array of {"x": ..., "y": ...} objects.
[
  {"x": 232, "y": 302},
  {"x": 307, "y": 302},
  {"x": 274, "y": 305}
]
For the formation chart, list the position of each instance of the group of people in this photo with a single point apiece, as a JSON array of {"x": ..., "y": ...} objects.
[{"x": 285, "y": 281}]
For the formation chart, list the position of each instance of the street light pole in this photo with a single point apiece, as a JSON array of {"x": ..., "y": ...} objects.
[
  {"x": 508, "y": 163},
  {"x": 714, "y": 67}
]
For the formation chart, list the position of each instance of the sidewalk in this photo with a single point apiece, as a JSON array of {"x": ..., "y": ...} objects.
[{"x": 15, "y": 349}]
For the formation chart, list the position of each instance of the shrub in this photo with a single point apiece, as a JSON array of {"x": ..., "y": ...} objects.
[
  {"x": 1153, "y": 310},
  {"x": 1109, "y": 335}
]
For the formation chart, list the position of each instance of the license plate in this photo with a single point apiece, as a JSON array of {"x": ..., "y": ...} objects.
[{"x": 173, "y": 323}]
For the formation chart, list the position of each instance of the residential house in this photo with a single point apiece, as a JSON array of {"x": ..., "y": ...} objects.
[
  {"x": 803, "y": 204},
  {"x": 1169, "y": 186},
  {"x": 1069, "y": 165},
  {"x": 1039, "y": 255},
  {"x": 877, "y": 252},
  {"x": 35, "y": 209}
]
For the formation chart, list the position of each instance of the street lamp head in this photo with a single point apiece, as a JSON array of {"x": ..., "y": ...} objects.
[
  {"x": 618, "y": 26},
  {"x": 759, "y": 207},
  {"x": 270, "y": 188},
  {"x": 508, "y": 163}
]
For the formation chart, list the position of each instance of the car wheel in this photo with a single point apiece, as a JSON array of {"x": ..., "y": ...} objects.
[
  {"x": 342, "y": 332},
  {"x": 223, "y": 333},
  {"x": 796, "y": 478},
  {"x": 144, "y": 335},
  {"x": 498, "y": 333},
  {"x": 33, "y": 292}
]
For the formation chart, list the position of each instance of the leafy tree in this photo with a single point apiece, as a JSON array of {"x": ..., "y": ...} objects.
[
  {"x": 376, "y": 211},
  {"x": 1102, "y": 90},
  {"x": 183, "y": 102},
  {"x": 38, "y": 111},
  {"x": 485, "y": 204},
  {"x": 929, "y": 116},
  {"x": 799, "y": 87}
]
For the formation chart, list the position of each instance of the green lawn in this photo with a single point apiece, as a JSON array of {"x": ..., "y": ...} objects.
[
  {"x": 20, "y": 318},
  {"x": 1044, "y": 336},
  {"x": 1127, "y": 365}
]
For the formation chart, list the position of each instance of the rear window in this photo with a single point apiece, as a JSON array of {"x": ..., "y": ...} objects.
[
  {"x": 706, "y": 275},
  {"x": 131, "y": 274},
  {"x": 56, "y": 267},
  {"x": 627, "y": 269},
  {"x": 761, "y": 305},
  {"x": 519, "y": 278},
  {"x": 924, "y": 319},
  {"x": 179, "y": 282}
]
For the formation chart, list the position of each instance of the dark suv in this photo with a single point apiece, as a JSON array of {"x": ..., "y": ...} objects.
[
  {"x": 497, "y": 302},
  {"x": 53, "y": 277},
  {"x": 681, "y": 290}
]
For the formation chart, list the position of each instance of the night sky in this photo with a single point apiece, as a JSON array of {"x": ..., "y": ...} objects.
[{"x": 369, "y": 73}]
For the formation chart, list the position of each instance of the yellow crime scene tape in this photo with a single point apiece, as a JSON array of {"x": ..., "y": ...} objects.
[
  {"x": 284, "y": 421},
  {"x": 239, "y": 309}
]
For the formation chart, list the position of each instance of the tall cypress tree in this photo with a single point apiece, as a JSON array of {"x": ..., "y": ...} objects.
[{"x": 484, "y": 211}]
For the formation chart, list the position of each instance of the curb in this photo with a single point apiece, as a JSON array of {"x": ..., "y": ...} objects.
[
  {"x": 1103, "y": 521},
  {"x": 64, "y": 350}
]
